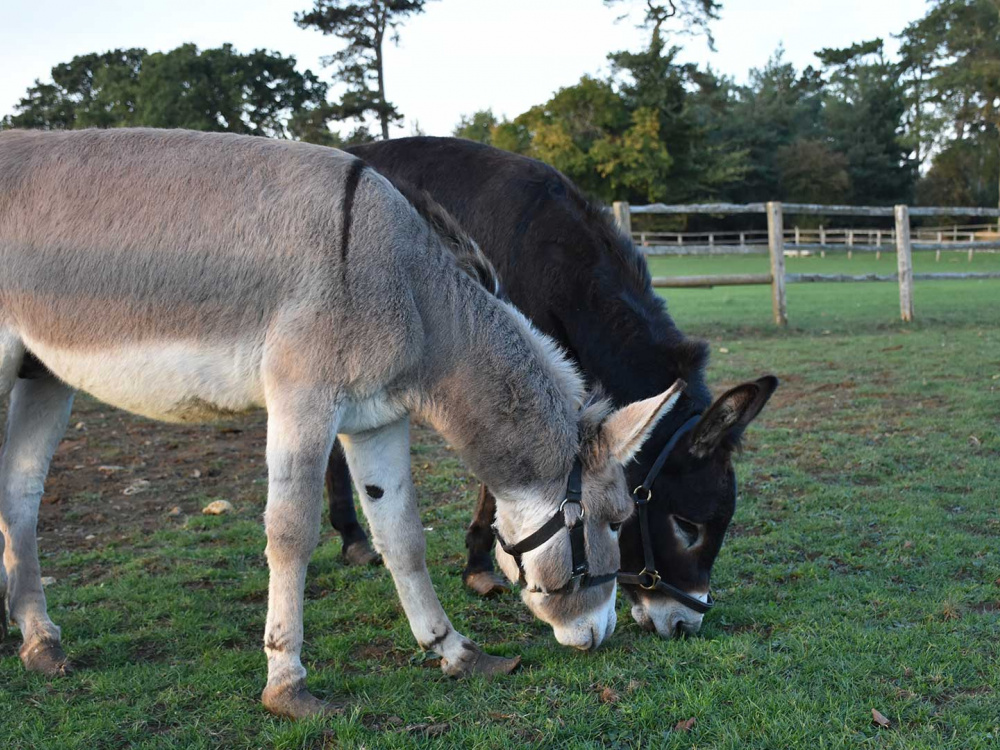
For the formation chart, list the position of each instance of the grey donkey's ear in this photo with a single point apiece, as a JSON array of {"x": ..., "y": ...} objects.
[
  {"x": 627, "y": 428},
  {"x": 724, "y": 422}
]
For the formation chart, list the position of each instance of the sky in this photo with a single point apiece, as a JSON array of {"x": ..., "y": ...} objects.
[{"x": 457, "y": 57}]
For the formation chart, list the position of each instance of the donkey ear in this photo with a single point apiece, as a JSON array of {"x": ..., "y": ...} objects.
[
  {"x": 627, "y": 428},
  {"x": 730, "y": 414}
]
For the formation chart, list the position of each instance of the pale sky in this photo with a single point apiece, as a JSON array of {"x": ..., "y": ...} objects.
[{"x": 459, "y": 56}]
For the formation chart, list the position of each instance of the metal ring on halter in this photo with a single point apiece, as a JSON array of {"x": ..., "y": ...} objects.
[
  {"x": 649, "y": 494},
  {"x": 654, "y": 576},
  {"x": 562, "y": 505}
]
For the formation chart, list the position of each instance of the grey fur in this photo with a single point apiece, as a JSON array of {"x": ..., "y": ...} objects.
[{"x": 120, "y": 244}]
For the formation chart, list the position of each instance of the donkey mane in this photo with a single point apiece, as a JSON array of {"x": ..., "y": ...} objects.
[
  {"x": 469, "y": 256},
  {"x": 689, "y": 354}
]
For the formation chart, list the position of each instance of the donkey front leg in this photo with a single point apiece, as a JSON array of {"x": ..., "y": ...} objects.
[
  {"x": 300, "y": 432},
  {"x": 479, "y": 574},
  {"x": 355, "y": 548},
  {"x": 380, "y": 464},
  {"x": 36, "y": 420}
]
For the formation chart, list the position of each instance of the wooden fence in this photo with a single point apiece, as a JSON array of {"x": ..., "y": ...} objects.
[{"x": 900, "y": 236}]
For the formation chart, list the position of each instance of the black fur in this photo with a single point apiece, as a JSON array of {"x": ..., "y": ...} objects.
[
  {"x": 567, "y": 267},
  {"x": 350, "y": 190}
]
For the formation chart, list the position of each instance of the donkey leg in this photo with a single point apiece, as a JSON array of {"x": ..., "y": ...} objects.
[
  {"x": 479, "y": 574},
  {"x": 300, "y": 432},
  {"x": 36, "y": 420},
  {"x": 380, "y": 465},
  {"x": 355, "y": 550}
]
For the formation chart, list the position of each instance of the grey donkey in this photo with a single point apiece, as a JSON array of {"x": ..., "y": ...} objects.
[{"x": 193, "y": 277}]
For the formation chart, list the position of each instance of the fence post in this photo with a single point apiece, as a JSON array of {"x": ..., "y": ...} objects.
[
  {"x": 623, "y": 217},
  {"x": 776, "y": 246},
  {"x": 904, "y": 260}
]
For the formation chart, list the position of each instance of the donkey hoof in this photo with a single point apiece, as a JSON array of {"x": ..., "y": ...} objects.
[
  {"x": 295, "y": 702},
  {"x": 474, "y": 661},
  {"x": 489, "y": 664},
  {"x": 47, "y": 657},
  {"x": 486, "y": 583},
  {"x": 360, "y": 554}
]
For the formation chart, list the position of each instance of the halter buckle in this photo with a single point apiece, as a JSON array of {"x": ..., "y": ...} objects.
[
  {"x": 639, "y": 499},
  {"x": 654, "y": 577}
]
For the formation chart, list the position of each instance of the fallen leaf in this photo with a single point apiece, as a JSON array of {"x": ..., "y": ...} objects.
[
  {"x": 196, "y": 474},
  {"x": 685, "y": 726},
  {"x": 608, "y": 696},
  {"x": 175, "y": 511},
  {"x": 907, "y": 544},
  {"x": 217, "y": 508},
  {"x": 879, "y": 719},
  {"x": 974, "y": 441},
  {"x": 723, "y": 350},
  {"x": 110, "y": 469},
  {"x": 48, "y": 580}
]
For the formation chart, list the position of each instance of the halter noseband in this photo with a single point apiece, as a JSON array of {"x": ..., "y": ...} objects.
[
  {"x": 649, "y": 578},
  {"x": 581, "y": 569}
]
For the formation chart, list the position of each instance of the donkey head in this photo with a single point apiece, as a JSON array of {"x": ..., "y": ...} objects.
[
  {"x": 566, "y": 560},
  {"x": 690, "y": 506}
]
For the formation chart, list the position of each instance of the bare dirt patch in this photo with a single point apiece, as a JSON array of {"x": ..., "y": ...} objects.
[{"x": 115, "y": 474}]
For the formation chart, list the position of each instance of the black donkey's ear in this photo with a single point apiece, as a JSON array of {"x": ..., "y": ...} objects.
[{"x": 724, "y": 422}]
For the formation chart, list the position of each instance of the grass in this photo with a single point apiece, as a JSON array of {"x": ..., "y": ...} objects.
[{"x": 861, "y": 572}]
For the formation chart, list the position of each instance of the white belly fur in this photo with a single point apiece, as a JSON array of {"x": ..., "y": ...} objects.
[{"x": 175, "y": 381}]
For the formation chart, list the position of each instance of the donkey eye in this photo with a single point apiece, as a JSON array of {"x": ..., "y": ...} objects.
[
  {"x": 616, "y": 526},
  {"x": 688, "y": 533}
]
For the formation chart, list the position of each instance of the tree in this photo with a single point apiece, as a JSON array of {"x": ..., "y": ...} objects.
[
  {"x": 693, "y": 16},
  {"x": 478, "y": 126},
  {"x": 965, "y": 173},
  {"x": 863, "y": 112},
  {"x": 214, "y": 89},
  {"x": 364, "y": 26},
  {"x": 809, "y": 171},
  {"x": 961, "y": 40},
  {"x": 776, "y": 108}
]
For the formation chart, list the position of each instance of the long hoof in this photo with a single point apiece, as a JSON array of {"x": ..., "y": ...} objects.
[
  {"x": 486, "y": 583},
  {"x": 360, "y": 554},
  {"x": 47, "y": 657},
  {"x": 475, "y": 661},
  {"x": 295, "y": 702}
]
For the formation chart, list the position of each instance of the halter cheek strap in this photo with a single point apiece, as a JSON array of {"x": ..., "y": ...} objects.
[
  {"x": 649, "y": 578},
  {"x": 580, "y": 572}
]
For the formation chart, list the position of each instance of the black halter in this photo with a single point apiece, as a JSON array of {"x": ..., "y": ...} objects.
[
  {"x": 581, "y": 569},
  {"x": 649, "y": 578}
]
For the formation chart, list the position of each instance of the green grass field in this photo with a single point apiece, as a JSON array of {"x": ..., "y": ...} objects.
[{"x": 862, "y": 570}]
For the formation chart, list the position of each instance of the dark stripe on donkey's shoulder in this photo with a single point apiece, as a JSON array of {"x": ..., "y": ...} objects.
[{"x": 350, "y": 190}]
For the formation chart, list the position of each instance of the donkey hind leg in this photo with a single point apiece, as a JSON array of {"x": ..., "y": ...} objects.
[
  {"x": 11, "y": 355},
  {"x": 380, "y": 464},
  {"x": 479, "y": 574},
  {"x": 36, "y": 420},
  {"x": 300, "y": 430},
  {"x": 355, "y": 550}
]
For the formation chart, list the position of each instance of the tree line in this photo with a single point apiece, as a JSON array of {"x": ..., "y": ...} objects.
[{"x": 859, "y": 127}]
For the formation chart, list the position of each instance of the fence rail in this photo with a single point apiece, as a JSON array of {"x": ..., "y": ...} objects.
[{"x": 777, "y": 241}]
